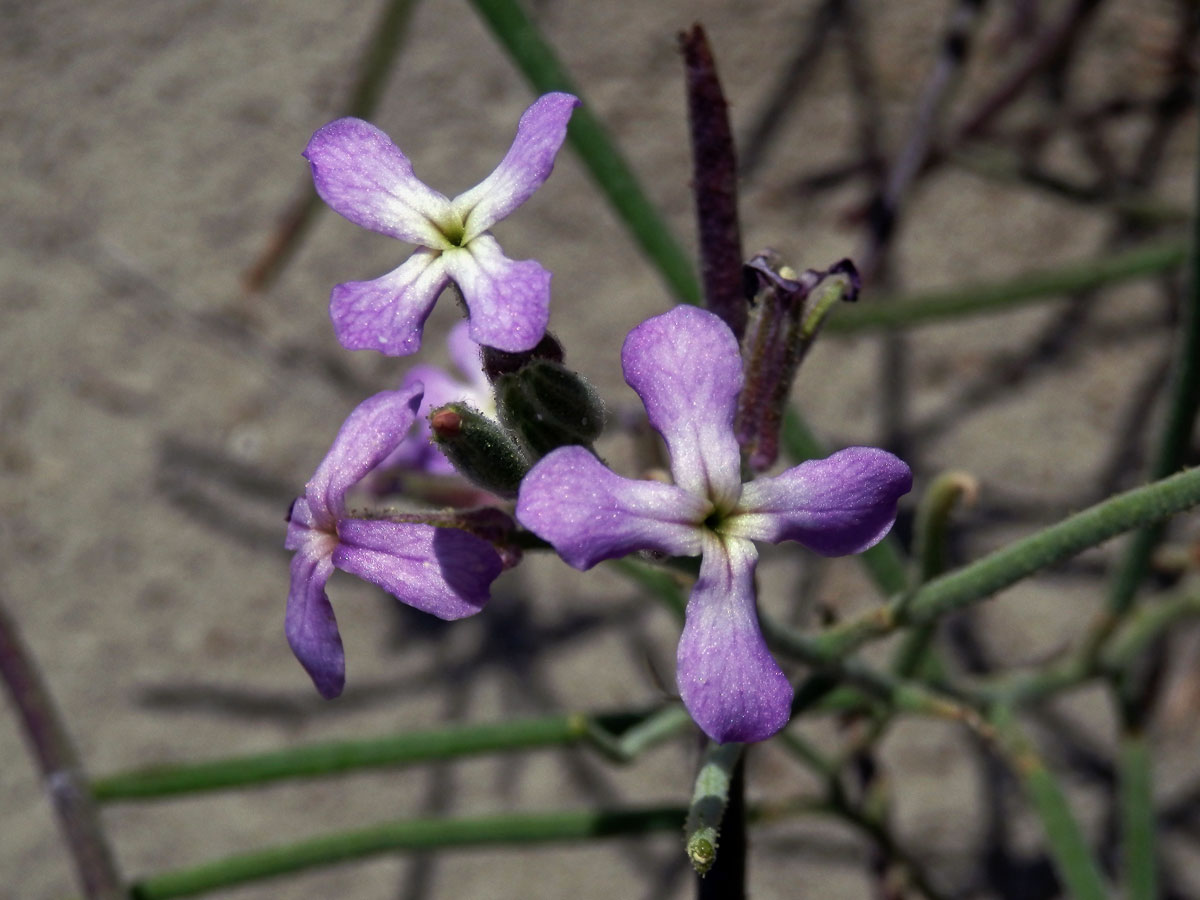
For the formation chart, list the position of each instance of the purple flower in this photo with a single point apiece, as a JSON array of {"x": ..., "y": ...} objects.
[
  {"x": 443, "y": 571},
  {"x": 362, "y": 175},
  {"x": 686, "y": 367}
]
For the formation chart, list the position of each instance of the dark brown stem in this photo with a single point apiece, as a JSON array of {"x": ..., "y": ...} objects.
[
  {"x": 714, "y": 181},
  {"x": 62, "y": 773}
]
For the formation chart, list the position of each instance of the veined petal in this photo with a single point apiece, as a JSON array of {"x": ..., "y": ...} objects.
[
  {"x": 310, "y": 626},
  {"x": 387, "y": 314},
  {"x": 842, "y": 504},
  {"x": 524, "y": 169},
  {"x": 363, "y": 176},
  {"x": 442, "y": 571},
  {"x": 589, "y": 514},
  {"x": 370, "y": 433},
  {"x": 686, "y": 367},
  {"x": 509, "y": 302},
  {"x": 727, "y": 678}
]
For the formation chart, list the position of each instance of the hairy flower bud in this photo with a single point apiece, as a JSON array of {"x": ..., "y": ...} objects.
[
  {"x": 480, "y": 449},
  {"x": 549, "y": 406}
]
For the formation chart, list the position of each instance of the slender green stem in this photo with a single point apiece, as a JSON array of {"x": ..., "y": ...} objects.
[
  {"x": 998, "y": 570},
  {"x": 317, "y": 760},
  {"x": 414, "y": 834},
  {"x": 1134, "y": 763},
  {"x": 709, "y": 797},
  {"x": 991, "y": 297},
  {"x": 1183, "y": 400},
  {"x": 1138, "y": 631},
  {"x": 1135, "y": 766},
  {"x": 932, "y": 526},
  {"x": 665, "y": 585},
  {"x": 651, "y": 731},
  {"x": 1073, "y": 858},
  {"x": 538, "y": 62}
]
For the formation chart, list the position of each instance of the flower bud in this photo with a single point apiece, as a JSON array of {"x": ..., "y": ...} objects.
[
  {"x": 482, "y": 451},
  {"x": 501, "y": 362},
  {"x": 549, "y": 406}
]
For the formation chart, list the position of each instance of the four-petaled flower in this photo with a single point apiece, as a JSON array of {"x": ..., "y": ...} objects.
[
  {"x": 685, "y": 366},
  {"x": 362, "y": 175},
  {"x": 443, "y": 571}
]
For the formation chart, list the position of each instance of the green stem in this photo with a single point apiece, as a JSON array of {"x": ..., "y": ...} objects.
[
  {"x": 1137, "y": 632},
  {"x": 931, "y": 528},
  {"x": 1134, "y": 776},
  {"x": 654, "y": 729},
  {"x": 539, "y": 64},
  {"x": 998, "y": 570},
  {"x": 709, "y": 797},
  {"x": 1183, "y": 399},
  {"x": 990, "y": 297},
  {"x": 1069, "y": 849},
  {"x": 337, "y": 757},
  {"x": 414, "y": 834},
  {"x": 665, "y": 585}
]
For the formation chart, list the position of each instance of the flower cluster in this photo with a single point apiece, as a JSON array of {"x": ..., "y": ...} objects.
[{"x": 685, "y": 365}]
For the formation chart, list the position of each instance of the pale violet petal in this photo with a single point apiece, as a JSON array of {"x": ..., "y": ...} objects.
[
  {"x": 524, "y": 169},
  {"x": 467, "y": 357},
  {"x": 311, "y": 628},
  {"x": 588, "y": 513},
  {"x": 727, "y": 678},
  {"x": 508, "y": 302},
  {"x": 388, "y": 314},
  {"x": 370, "y": 433},
  {"x": 363, "y": 176},
  {"x": 835, "y": 506},
  {"x": 686, "y": 367},
  {"x": 442, "y": 571}
]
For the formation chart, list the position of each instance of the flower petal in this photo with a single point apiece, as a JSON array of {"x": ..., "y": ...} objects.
[
  {"x": 387, "y": 314},
  {"x": 686, "y": 367},
  {"x": 524, "y": 169},
  {"x": 727, "y": 678},
  {"x": 467, "y": 357},
  {"x": 589, "y": 514},
  {"x": 363, "y": 176},
  {"x": 842, "y": 504},
  {"x": 442, "y": 571},
  {"x": 310, "y": 626},
  {"x": 370, "y": 433},
  {"x": 509, "y": 302}
]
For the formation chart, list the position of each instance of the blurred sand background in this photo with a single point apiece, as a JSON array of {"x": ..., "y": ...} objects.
[{"x": 155, "y": 422}]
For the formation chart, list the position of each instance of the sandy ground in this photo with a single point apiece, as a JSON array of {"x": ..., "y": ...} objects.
[{"x": 156, "y": 422}]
